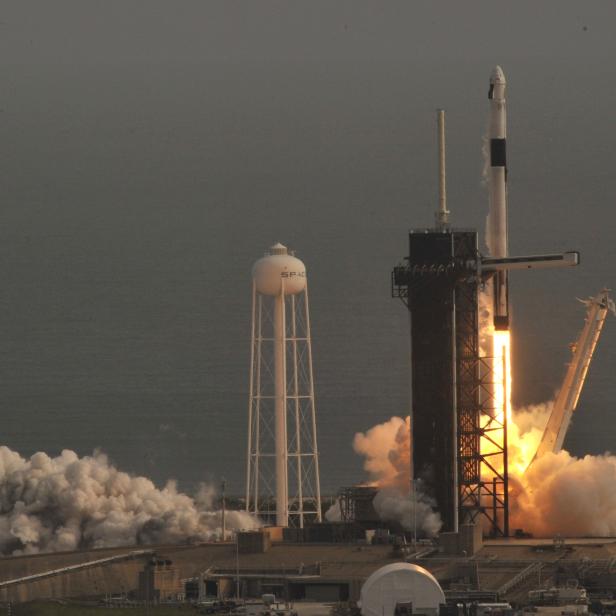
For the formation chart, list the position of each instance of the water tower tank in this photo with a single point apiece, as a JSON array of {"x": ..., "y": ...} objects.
[
  {"x": 400, "y": 583},
  {"x": 278, "y": 267}
]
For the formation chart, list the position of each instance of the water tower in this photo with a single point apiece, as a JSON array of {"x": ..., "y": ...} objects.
[{"x": 282, "y": 479}]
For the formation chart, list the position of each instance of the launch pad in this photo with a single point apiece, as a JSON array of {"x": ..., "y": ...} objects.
[{"x": 460, "y": 393}]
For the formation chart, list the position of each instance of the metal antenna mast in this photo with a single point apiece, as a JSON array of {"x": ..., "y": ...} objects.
[{"x": 442, "y": 214}]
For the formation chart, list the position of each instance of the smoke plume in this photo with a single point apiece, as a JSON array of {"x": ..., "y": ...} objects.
[
  {"x": 557, "y": 494},
  {"x": 386, "y": 448},
  {"x": 532, "y": 419},
  {"x": 387, "y": 451},
  {"x": 67, "y": 503},
  {"x": 486, "y": 326},
  {"x": 570, "y": 496},
  {"x": 411, "y": 513}
]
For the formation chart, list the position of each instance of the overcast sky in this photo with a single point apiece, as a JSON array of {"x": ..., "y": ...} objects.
[{"x": 196, "y": 31}]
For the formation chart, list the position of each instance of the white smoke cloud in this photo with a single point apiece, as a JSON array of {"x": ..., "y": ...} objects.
[
  {"x": 387, "y": 451},
  {"x": 67, "y": 503},
  {"x": 394, "y": 506},
  {"x": 334, "y": 513},
  {"x": 560, "y": 493},
  {"x": 386, "y": 448},
  {"x": 486, "y": 322},
  {"x": 532, "y": 418}
]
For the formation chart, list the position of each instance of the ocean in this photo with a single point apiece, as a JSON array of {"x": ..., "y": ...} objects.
[{"x": 137, "y": 195}]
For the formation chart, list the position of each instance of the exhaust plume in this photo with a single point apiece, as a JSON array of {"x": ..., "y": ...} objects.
[
  {"x": 395, "y": 506},
  {"x": 68, "y": 503},
  {"x": 387, "y": 451},
  {"x": 557, "y": 493},
  {"x": 386, "y": 448},
  {"x": 574, "y": 497}
]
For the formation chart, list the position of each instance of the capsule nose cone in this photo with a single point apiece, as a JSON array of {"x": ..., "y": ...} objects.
[{"x": 497, "y": 76}]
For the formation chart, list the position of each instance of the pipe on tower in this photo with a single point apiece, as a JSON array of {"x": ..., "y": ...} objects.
[{"x": 280, "y": 412}]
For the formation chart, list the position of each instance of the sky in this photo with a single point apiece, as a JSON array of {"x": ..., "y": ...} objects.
[{"x": 152, "y": 151}]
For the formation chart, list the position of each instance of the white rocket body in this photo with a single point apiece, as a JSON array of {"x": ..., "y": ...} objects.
[{"x": 497, "y": 232}]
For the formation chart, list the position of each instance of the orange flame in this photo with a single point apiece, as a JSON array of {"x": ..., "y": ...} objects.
[
  {"x": 521, "y": 447},
  {"x": 501, "y": 353},
  {"x": 492, "y": 441}
]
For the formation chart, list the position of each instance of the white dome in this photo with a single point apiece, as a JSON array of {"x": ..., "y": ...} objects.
[
  {"x": 400, "y": 583},
  {"x": 278, "y": 268}
]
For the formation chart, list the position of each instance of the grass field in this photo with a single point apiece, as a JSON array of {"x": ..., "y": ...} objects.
[{"x": 49, "y": 608}]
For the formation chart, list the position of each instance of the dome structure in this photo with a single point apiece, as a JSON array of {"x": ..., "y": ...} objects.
[{"x": 400, "y": 583}]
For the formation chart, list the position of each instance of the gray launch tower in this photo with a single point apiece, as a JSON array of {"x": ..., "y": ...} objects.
[{"x": 439, "y": 285}]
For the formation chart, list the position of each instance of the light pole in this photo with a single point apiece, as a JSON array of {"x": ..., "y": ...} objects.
[
  {"x": 414, "y": 487},
  {"x": 223, "y": 486},
  {"x": 237, "y": 565}
]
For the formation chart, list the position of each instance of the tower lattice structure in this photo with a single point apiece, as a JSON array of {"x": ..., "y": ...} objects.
[{"x": 282, "y": 475}]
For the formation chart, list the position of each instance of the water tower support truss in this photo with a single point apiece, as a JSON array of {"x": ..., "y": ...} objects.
[{"x": 282, "y": 484}]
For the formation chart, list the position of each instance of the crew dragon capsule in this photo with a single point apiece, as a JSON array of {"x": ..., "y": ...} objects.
[{"x": 497, "y": 235}]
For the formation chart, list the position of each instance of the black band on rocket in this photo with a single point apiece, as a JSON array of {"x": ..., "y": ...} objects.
[{"x": 498, "y": 152}]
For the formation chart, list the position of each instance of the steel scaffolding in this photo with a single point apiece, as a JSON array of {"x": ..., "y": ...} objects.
[{"x": 451, "y": 383}]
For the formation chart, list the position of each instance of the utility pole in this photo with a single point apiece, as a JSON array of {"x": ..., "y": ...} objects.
[
  {"x": 414, "y": 514},
  {"x": 237, "y": 565},
  {"x": 147, "y": 590},
  {"x": 223, "y": 486}
]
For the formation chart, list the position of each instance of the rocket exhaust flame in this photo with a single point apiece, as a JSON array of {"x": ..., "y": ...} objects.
[
  {"x": 495, "y": 420},
  {"x": 558, "y": 493},
  {"x": 521, "y": 443},
  {"x": 501, "y": 353}
]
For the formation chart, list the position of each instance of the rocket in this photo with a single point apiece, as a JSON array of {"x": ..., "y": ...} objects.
[{"x": 497, "y": 216}]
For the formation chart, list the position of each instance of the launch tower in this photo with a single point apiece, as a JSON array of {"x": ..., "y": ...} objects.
[
  {"x": 439, "y": 285},
  {"x": 459, "y": 406},
  {"x": 282, "y": 477}
]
